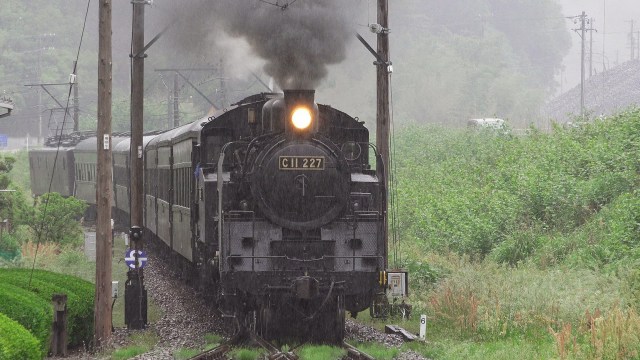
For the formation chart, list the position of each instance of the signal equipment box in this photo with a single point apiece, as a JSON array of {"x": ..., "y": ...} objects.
[{"x": 398, "y": 283}]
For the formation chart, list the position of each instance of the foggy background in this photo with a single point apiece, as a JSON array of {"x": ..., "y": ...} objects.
[
  {"x": 613, "y": 25},
  {"x": 452, "y": 60}
]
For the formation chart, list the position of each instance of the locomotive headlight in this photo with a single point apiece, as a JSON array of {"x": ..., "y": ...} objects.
[{"x": 301, "y": 118}]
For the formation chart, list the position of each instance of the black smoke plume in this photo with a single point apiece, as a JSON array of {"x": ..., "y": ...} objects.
[{"x": 297, "y": 39}]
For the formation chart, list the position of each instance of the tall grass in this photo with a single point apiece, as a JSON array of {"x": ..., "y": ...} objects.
[
  {"x": 493, "y": 301},
  {"x": 615, "y": 335}
]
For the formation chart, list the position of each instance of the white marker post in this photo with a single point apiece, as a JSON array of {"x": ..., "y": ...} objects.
[{"x": 423, "y": 327}]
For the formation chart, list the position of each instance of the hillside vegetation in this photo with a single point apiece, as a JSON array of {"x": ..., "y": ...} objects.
[
  {"x": 566, "y": 198},
  {"x": 524, "y": 246}
]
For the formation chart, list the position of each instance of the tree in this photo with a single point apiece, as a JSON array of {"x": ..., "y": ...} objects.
[{"x": 55, "y": 218}]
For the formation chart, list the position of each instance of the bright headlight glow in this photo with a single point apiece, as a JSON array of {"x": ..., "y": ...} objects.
[{"x": 301, "y": 118}]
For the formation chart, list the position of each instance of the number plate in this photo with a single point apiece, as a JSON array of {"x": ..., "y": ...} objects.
[{"x": 301, "y": 163}]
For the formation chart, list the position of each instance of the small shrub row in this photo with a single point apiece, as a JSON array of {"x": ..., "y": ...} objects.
[
  {"x": 80, "y": 296},
  {"x": 16, "y": 342},
  {"x": 30, "y": 311}
]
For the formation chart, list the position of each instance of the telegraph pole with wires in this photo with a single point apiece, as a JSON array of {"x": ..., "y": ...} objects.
[
  {"x": 135, "y": 293},
  {"x": 384, "y": 69},
  {"x": 583, "y": 21},
  {"x": 102, "y": 334},
  {"x": 392, "y": 274}
]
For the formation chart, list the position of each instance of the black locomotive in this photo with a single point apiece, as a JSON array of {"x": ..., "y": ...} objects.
[{"x": 271, "y": 205}]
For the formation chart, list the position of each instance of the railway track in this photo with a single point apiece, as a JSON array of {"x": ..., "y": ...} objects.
[
  {"x": 272, "y": 352},
  {"x": 217, "y": 353},
  {"x": 355, "y": 354}
]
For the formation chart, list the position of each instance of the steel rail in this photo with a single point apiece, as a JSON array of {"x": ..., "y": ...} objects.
[
  {"x": 355, "y": 354},
  {"x": 217, "y": 353}
]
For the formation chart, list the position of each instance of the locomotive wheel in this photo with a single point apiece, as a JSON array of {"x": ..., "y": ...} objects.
[{"x": 330, "y": 323}]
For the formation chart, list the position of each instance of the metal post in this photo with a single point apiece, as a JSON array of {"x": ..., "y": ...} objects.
[
  {"x": 169, "y": 108},
  {"x": 40, "y": 140},
  {"x": 76, "y": 107},
  {"x": 582, "y": 29},
  {"x": 102, "y": 315},
  {"x": 176, "y": 101}
]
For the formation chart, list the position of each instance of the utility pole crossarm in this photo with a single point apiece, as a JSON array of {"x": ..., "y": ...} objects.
[
  {"x": 153, "y": 41},
  {"x": 373, "y": 52}
]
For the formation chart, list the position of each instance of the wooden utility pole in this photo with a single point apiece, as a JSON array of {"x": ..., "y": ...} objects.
[
  {"x": 383, "y": 115},
  {"x": 102, "y": 315},
  {"x": 135, "y": 294}
]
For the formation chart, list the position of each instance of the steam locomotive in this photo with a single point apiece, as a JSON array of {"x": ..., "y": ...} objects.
[{"x": 271, "y": 206}]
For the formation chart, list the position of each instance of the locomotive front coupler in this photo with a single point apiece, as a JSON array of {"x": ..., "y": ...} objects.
[
  {"x": 305, "y": 287},
  {"x": 308, "y": 288}
]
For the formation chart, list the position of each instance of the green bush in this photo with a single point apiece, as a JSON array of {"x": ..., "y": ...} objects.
[
  {"x": 9, "y": 243},
  {"x": 55, "y": 219},
  {"x": 16, "y": 342},
  {"x": 30, "y": 311},
  {"x": 80, "y": 296}
]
